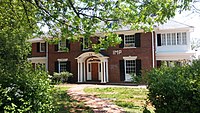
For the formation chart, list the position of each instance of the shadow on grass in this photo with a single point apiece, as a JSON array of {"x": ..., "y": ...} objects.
[{"x": 67, "y": 105}]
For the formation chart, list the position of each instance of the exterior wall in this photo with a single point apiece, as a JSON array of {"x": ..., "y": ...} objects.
[
  {"x": 35, "y": 52},
  {"x": 144, "y": 53},
  {"x": 75, "y": 51}
]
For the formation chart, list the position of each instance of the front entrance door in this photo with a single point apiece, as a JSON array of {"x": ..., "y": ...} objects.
[{"x": 95, "y": 71}]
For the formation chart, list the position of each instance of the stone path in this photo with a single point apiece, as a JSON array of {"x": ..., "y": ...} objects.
[{"x": 98, "y": 105}]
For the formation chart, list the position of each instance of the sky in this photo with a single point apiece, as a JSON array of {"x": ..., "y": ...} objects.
[{"x": 192, "y": 19}]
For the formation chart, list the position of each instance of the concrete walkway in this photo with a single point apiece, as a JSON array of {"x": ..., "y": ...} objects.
[{"x": 97, "y": 104}]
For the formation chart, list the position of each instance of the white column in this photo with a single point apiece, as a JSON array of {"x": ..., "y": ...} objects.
[
  {"x": 81, "y": 72},
  {"x": 78, "y": 71},
  {"x": 107, "y": 70},
  {"x": 84, "y": 72},
  {"x": 101, "y": 71},
  {"x": 104, "y": 71},
  {"x": 47, "y": 57}
]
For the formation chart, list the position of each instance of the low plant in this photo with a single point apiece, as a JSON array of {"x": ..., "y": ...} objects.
[
  {"x": 175, "y": 89},
  {"x": 26, "y": 90},
  {"x": 61, "y": 77}
]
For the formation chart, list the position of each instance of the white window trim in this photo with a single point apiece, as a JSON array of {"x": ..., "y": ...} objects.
[
  {"x": 130, "y": 58},
  {"x": 41, "y": 46},
  {"x": 85, "y": 49},
  {"x": 61, "y": 60},
  {"x": 59, "y": 46},
  {"x": 125, "y": 41},
  {"x": 125, "y": 59}
]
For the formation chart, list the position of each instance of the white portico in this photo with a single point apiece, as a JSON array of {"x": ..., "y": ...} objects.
[{"x": 92, "y": 67}]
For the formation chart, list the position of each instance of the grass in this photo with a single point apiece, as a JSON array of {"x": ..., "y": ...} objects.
[
  {"x": 67, "y": 105},
  {"x": 131, "y": 99}
]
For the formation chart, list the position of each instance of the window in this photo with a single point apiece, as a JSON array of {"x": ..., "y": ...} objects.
[
  {"x": 178, "y": 38},
  {"x": 62, "y": 66},
  {"x": 86, "y": 44},
  {"x": 169, "y": 39},
  {"x": 130, "y": 66},
  {"x": 163, "y": 41},
  {"x": 42, "y": 47},
  {"x": 174, "y": 38},
  {"x": 184, "y": 38},
  {"x": 129, "y": 41},
  {"x": 62, "y": 45}
]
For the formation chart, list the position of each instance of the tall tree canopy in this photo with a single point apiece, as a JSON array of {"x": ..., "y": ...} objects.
[{"x": 81, "y": 18}]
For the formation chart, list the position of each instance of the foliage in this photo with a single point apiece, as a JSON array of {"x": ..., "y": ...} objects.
[
  {"x": 64, "y": 18},
  {"x": 175, "y": 89},
  {"x": 131, "y": 99},
  {"x": 21, "y": 88},
  {"x": 25, "y": 91},
  {"x": 61, "y": 77},
  {"x": 195, "y": 44},
  {"x": 67, "y": 105}
]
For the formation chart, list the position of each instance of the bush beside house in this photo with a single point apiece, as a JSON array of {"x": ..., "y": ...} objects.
[{"x": 175, "y": 89}]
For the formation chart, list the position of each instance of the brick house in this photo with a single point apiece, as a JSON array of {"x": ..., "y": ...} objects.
[{"x": 137, "y": 51}]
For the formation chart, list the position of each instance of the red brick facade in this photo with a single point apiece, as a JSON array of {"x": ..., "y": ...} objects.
[{"x": 144, "y": 53}]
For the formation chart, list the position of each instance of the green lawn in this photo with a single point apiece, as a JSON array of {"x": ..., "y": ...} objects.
[
  {"x": 131, "y": 99},
  {"x": 66, "y": 105}
]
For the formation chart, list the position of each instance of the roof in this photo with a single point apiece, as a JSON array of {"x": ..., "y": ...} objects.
[
  {"x": 172, "y": 24},
  {"x": 35, "y": 40}
]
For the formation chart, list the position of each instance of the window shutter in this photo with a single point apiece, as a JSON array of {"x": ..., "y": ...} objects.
[
  {"x": 56, "y": 67},
  {"x": 122, "y": 42},
  {"x": 81, "y": 42},
  {"x": 45, "y": 46},
  {"x": 56, "y": 47},
  {"x": 38, "y": 47},
  {"x": 158, "y": 39},
  {"x": 138, "y": 67},
  {"x": 137, "y": 39},
  {"x": 122, "y": 70},
  {"x": 68, "y": 44},
  {"x": 68, "y": 66}
]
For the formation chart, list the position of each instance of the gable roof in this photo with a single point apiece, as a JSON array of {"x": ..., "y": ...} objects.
[{"x": 172, "y": 24}]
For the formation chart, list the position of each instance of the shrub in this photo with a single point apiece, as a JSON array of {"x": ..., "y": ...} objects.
[
  {"x": 175, "y": 89},
  {"x": 25, "y": 90},
  {"x": 61, "y": 77}
]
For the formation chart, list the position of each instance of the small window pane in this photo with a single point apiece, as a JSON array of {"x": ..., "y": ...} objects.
[
  {"x": 168, "y": 39},
  {"x": 63, "y": 66},
  {"x": 178, "y": 38},
  {"x": 129, "y": 41},
  {"x": 184, "y": 38},
  {"x": 130, "y": 66},
  {"x": 163, "y": 39},
  {"x": 173, "y": 38},
  {"x": 86, "y": 44},
  {"x": 42, "y": 47}
]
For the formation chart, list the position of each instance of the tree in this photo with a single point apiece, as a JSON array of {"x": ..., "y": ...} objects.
[
  {"x": 195, "y": 44},
  {"x": 73, "y": 19}
]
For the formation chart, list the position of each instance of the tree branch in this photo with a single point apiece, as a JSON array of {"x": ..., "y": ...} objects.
[
  {"x": 26, "y": 12},
  {"x": 74, "y": 9}
]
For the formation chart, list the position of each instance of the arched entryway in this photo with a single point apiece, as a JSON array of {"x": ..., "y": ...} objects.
[{"x": 92, "y": 67}]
